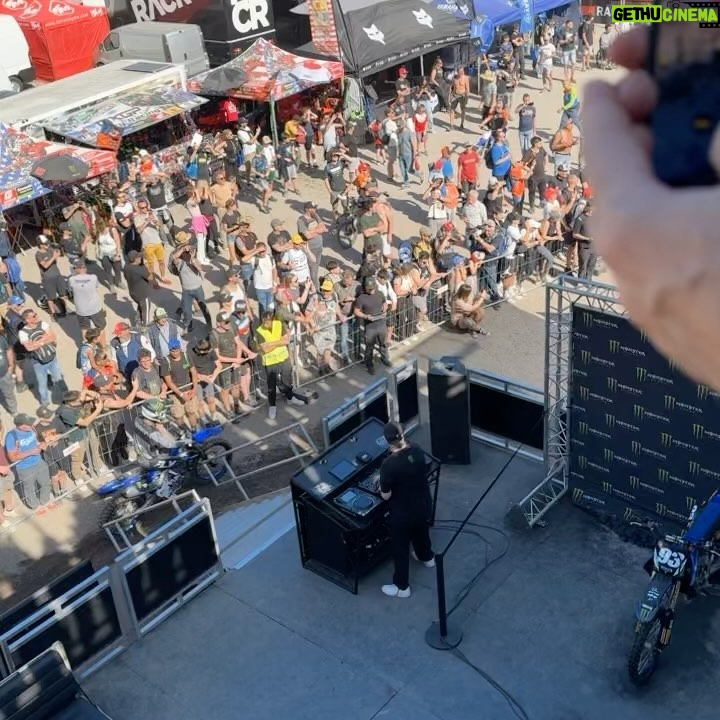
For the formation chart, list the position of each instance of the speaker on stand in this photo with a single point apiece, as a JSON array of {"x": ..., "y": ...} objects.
[{"x": 449, "y": 405}]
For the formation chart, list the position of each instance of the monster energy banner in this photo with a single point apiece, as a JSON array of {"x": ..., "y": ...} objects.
[{"x": 644, "y": 439}]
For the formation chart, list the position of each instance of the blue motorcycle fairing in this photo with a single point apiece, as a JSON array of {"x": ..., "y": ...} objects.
[
  {"x": 705, "y": 523},
  {"x": 205, "y": 433},
  {"x": 660, "y": 585},
  {"x": 118, "y": 483}
]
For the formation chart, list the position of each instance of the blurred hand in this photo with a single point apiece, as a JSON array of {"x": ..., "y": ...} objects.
[{"x": 660, "y": 242}]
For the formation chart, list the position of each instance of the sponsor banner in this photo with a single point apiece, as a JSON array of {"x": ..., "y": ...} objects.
[
  {"x": 322, "y": 27},
  {"x": 642, "y": 433}
]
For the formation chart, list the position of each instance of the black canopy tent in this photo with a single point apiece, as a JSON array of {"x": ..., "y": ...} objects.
[{"x": 375, "y": 34}]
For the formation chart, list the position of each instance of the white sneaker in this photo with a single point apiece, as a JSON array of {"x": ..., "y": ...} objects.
[
  {"x": 272, "y": 412},
  {"x": 295, "y": 401},
  {"x": 395, "y": 591},
  {"x": 427, "y": 563}
]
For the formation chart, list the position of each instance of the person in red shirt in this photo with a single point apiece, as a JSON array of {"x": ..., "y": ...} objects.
[
  {"x": 468, "y": 163},
  {"x": 420, "y": 121}
]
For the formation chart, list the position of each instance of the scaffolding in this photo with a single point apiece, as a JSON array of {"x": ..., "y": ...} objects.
[{"x": 562, "y": 295}]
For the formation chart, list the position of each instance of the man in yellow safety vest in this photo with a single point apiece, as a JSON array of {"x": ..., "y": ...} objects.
[{"x": 272, "y": 339}]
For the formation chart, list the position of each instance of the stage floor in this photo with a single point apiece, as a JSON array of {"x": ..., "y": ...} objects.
[{"x": 551, "y": 622}]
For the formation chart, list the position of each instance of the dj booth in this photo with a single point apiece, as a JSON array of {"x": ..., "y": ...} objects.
[{"x": 342, "y": 522}]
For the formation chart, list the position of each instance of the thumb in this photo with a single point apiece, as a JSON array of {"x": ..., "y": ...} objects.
[{"x": 715, "y": 151}]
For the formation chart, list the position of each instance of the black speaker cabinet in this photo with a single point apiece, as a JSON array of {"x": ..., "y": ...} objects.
[{"x": 449, "y": 404}]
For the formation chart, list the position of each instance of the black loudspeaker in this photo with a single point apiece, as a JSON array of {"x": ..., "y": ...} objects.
[{"x": 449, "y": 404}]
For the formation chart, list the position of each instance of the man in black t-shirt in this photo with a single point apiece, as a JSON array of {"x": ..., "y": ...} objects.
[
  {"x": 139, "y": 283},
  {"x": 207, "y": 366},
  {"x": 53, "y": 283},
  {"x": 403, "y": 484},
  {"x": 581, "y": 234},
  {"x": 180, "y": 378},
  {"x": 370, "y": 307},
  {"x": 279, "y": 242},
  {"x": 335, "y": 181}
]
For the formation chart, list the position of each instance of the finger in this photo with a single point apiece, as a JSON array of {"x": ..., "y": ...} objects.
[
  {"x": 630, "y": 49},
  {"x": 609, "y": 142},
  {"x": 637, "y": 92},
  {"x": 715, "y": 151}
]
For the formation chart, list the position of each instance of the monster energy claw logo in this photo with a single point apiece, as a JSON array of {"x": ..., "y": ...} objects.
[
  {"x": 638, "y": 411},
  {"x": 663, "y": 475},
  {"x": 689, "y": 503},
  {"x": 612, "y": 384},
  {"x": 643, "y": 336},
  {"x": 666, "y": 439},
  {"x": 641, "y": 374},
  {"x": 584, "y": 393},
  {"x": 607, "y": 488},
  {"x": 629, "y": 514},
  {"x": 585, "y": 356},
  {"x": 702, "y": 392},
  {"x": 636, "y": 447},
  {"x": 634, "y": 482},
  {"x": 587, "y": 319},
  {"x": 614, "y": 346},
  {"x": 582, "y": 462},
  {"x": 698, "y": 431},
  {"x": 669, "y": 402},
  {"x": 610, "y": 420},
  {"x": 608, "y": 454},
  {"x": 583, "y": 428},
  {"x": 693, "y": 467},
  {"x": 577, "y": 494},
  {"x": 660, "y": 509}
]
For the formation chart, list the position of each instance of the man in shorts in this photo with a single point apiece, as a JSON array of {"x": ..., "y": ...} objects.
[
  {"x": 149, "y": 228},
  {"x": 52, "y": 280},
  {"x": 180, "y": 378},
  {"x": 207, "y": 367},
  {"x": 88, "y": 306},
  {"x": 459, "y": 96},
  {"x": 232, "y": 353},
  {"x": 568, "y": 48}
]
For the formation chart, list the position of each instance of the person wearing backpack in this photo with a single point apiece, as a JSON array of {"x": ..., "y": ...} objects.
[
  {"x": 190, "y": 273},
  {"x": 39, "y": 340}
]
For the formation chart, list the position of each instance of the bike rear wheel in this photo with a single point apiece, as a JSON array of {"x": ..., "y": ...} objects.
[{"x": 644, "y": 653}]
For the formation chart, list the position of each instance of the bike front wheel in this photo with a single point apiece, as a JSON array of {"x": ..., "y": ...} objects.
[
  {"x": 645, "y": 652},
  {"x": 212, "y": 463}
]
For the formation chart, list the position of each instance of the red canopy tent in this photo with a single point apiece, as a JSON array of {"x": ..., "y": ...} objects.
[{"x": 63, "y": 37}]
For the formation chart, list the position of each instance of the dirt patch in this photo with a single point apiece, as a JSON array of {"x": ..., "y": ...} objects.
[{"x": 97, "y": 548}]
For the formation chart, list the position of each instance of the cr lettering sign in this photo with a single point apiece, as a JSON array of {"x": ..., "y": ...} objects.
[
  {"x": 149, "y": 10},
  {"x": 250, "y": 15}
]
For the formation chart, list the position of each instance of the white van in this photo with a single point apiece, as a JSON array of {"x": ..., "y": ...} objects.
[
  {"x": 177, "y": 43},
  {"x": 15, "y": 54}
]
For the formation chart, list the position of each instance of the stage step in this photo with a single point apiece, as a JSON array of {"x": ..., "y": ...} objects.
[{"x": 246, "y": 531}]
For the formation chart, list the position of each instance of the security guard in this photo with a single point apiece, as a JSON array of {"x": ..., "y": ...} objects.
[
  {"x": 403, "y": 484},
  {"x": 371, "y": 306},
  {"x": 272, "y": 340}
]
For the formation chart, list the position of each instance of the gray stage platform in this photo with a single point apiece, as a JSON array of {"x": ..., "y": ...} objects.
[{"x": 551, "y": 622}]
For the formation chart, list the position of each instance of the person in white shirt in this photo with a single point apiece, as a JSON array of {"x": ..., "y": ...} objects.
[
  {"x": 297, "y": 260},
  {"x": 545, "y": 54},
  {"x": 248, "y": 140},
  {"x": 269, "y": 152},
  {"x": 265, "y": 278},
  {"x": 389, "y": 129}
]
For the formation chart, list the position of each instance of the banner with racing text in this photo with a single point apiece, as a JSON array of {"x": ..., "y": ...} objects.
[{"x": 643, "y": 436}]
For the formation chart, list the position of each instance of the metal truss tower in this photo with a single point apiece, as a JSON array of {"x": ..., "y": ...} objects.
[{"x": 562, "y": 295}]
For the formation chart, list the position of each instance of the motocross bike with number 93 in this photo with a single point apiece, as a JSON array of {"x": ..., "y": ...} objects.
[{"x": 680, "y": 564}]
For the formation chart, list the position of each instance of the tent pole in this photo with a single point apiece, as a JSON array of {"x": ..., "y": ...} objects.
[
  {"x": 273, "y": 123},
  {"x": 422, "y": 66}
]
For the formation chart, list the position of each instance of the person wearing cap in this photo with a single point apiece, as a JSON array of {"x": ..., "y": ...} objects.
[
  {"x": 264, "y": 278},
  {"x": 402, "y": 84},
  {"x": 234, "y": 378},
  {"x": 324, "y": 316},
  {"x": 279, "y": 242},
  {"x": 40, "y": 342},
  {"x": 335, "y": 182},
  {"x": 52, "y": 280},
  {"x": 272, "y": 338},
  {"x": 126, "y": 345},
  {"x": 207, "y": 367},
  {"x": 87, "y": 353},
  {"x": 24, "y": 451},
  {"x": 190, "y": 274},
  {"x": 562, "y": 144},
  {"x": 139, "y": 284},
  {"x": 298, "y": 261},
  {"x": 151, "y": 231},
  {"x": 49, "y": 430},
  {"x": 88, "y": 306},
  {"x": 76, "y": 235},
  {"x": 180, "y": 378},
  {"x": 540, "y": 259},
  {"x": 494, "y": 199},
  {"x": 161, "y": 332},
  {"x": 403, "y": 485},
  {"x": 312, "y": 229},
  {"x": 371, "y": 307}
]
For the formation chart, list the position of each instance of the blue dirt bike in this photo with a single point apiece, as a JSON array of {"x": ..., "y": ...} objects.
[
  {"x": 681, "y": 564},
  {"x": 200, "y": 458}
]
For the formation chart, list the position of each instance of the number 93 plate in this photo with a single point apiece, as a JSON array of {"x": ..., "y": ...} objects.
[{"x": 669, "y": 561}]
